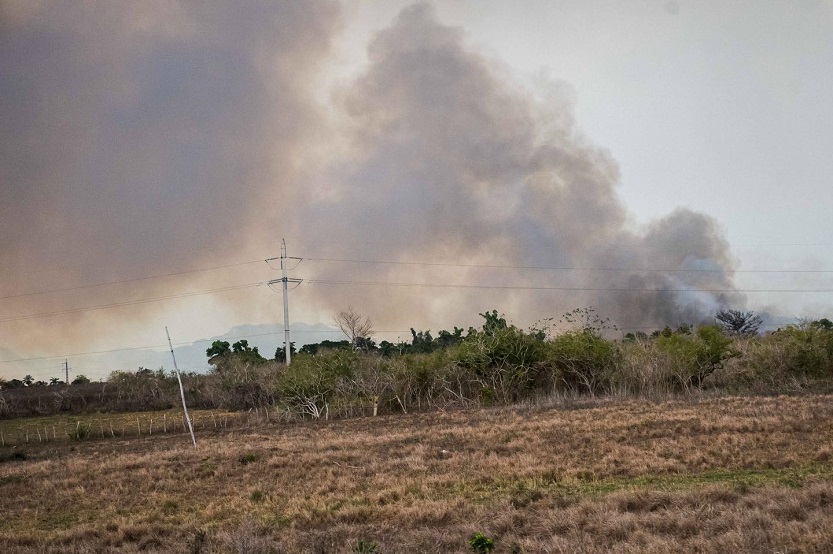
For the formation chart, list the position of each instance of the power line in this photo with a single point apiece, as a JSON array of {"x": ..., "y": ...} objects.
[
  {"x": 783, "y": 244},
  {"x": 579, "y": 289},
  {"x": 126, "y": 349},
  {"x": 131, "y": 302},
  {"x": 435, "y": 264},
  {"x": 132, "y": 280},
  {"x": 551, "y": 246},
  {"x": 422, "y": 285},
  {"x": 567, "y": 268}
]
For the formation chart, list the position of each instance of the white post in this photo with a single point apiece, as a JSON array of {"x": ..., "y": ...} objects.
[{"x": 181, "y": 390}]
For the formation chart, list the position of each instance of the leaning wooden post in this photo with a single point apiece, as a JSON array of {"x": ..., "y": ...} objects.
[{"x": 181, "y": 390}]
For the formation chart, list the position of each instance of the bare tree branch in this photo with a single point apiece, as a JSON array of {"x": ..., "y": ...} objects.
[
  {"x": 739, "y": 323},
  {"x": 353, "y": 325}
]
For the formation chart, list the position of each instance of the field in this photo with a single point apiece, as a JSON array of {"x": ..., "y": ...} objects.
[{"x": 702, "y": 474}]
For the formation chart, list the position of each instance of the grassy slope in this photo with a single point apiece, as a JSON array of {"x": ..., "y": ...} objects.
[{"x": 731, "y": 474}]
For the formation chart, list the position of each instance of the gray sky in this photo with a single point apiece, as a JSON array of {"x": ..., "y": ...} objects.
[
  {"x": 160, "y": 138},
  {"x": 724, "y": 107}
]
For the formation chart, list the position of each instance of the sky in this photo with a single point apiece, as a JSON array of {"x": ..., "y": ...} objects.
[{"x": 655, "y": 161}]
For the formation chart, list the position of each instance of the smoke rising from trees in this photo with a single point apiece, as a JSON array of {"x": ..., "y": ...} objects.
[
  {"x": 453, "y": 160},
  {"x": 142, "y": 139}
]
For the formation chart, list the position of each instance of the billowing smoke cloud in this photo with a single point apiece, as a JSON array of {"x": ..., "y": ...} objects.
[
  {"x": 456, "y": 163},
  {"x": 143, "y": 138}
]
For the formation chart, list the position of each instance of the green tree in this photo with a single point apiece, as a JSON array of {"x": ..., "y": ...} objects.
[
  {"x": 365, "y": 344},
  {"x": 583, "y": 360},
  {"x": 493, "y": 323},
  {"x": 446, "y": 339},
  {"x": 694, "y": 357},
  {"x": 280, "y": 353},
  {"x": 241, "y": 351},
  {"x": 219, "y": 348},
  {"x": 81, "y": 380},
  {"x": 822, "y": 323},
  {"x": 422, "y": 341},
  {"x": 318, "y": 347},
  {"x": 504, "y": 361},
  {"x": 807, "y": 348}
]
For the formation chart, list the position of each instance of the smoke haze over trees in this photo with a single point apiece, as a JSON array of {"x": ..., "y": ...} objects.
[{"x": 156, "y": 138}]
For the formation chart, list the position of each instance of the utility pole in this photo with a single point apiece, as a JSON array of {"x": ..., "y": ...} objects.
[
  {"x": 285, "y": 280},
  {"x": 181, "y": 390},
  {"x": 66, "y": 369}
]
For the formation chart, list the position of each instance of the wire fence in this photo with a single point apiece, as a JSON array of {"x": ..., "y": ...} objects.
[{"x": 20, "y": 432}]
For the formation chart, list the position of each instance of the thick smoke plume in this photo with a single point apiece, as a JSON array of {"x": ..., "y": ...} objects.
[
  {"x": 145, "y": 138},
  {"x": 455, "y": 162}
]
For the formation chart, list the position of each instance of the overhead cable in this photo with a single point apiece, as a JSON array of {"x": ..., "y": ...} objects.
[
  {"x": 131, "y": 302},
  {"x": 567, "y": 268},
  {"x": 526, "y": 287},
  {"x": 131, "y": 280}
]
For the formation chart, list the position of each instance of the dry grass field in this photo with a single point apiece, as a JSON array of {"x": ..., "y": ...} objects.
[{"x": 698, "y": 475}]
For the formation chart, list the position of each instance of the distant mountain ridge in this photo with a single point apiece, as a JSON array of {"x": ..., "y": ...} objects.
[{"x": 189, "y": 357}]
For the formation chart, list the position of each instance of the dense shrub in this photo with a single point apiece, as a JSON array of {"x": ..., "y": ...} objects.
[
  {"x": 308, "y": 385},
  {"x": 692, "y": 358},
  {"x": 643, "y": 370},
  {"x": 239, "y": 384},
  {"x": 793, "y": 355},
  {"x": 582, "y": 361},
  {"x": 503, "y": 361},
  {"x": 143, "y": 389},
  {"x": 809, "y": 347}
]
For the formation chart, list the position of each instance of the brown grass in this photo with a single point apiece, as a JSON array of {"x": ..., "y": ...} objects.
[
  {"x": 25, "y": 432},
  {"x": 708, "y": 475}
]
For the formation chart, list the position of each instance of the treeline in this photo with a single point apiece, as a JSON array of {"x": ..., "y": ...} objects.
[
  {"x": 29, "y": 381},
  {"x": 497, "y": 363}
]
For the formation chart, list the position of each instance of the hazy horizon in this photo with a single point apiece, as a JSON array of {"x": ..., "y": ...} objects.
[{"x": 429, "y": 161}]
